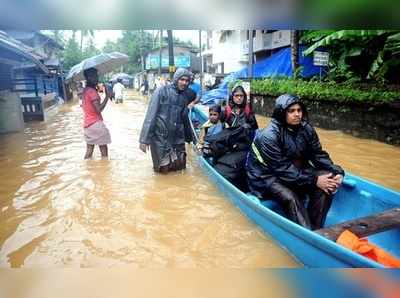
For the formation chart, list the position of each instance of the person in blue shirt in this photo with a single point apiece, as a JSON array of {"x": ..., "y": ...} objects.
[
  {"x": 212, "y": 126},
  {"x": 195, "y": 89}
]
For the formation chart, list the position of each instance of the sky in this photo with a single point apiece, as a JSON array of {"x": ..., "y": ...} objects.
[{"x": 101, "y": 36}]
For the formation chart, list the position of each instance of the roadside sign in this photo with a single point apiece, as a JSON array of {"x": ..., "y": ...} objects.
[
  {"x": 172, "y": 68},
  {"x": 321, "y": 58}
]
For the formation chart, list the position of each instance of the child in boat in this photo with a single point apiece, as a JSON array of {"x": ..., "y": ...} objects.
[{"x": 212, "y": 126}]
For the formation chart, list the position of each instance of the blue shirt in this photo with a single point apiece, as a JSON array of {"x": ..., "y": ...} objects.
[{"x": 195, "y": 87}]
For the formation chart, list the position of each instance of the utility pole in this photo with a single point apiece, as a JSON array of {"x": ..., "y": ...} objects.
[
  {"x": 171, "y": 54},
  {"x": 141, "y": 48},
  {"x": 250, "y": 68},
  {"x": 201, "y": 64},
  {"x": 160, "y": 56}
]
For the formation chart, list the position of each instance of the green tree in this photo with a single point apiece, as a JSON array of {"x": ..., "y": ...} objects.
[
  {"x": 294, "y": 55},
  {"x": 85, "y": 33},
  {"x": 72, "y": 54},
  {"x": 90, "y": 50},
  {"x": 359, "y": 54},
  {"x": 135, "y": 44},
  {"x": 109, "y": 47}
]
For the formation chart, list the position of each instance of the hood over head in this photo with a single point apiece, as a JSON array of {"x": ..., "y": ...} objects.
[
  {"x": 181, "y": 72},
  {"x": 282, "y": 103}
]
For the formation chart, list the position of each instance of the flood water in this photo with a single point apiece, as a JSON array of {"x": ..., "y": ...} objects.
[{"x": 60, "y": 211}]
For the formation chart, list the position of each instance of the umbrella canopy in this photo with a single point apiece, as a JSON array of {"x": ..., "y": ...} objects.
[
  {"x": 104, "y": 63},
  {"x": 121, "y": 75}
]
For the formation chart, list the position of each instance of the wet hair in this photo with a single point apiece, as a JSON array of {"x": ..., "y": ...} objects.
[
  {"x": 89, "y": 72},
  {"x": 215, "y": 108}
]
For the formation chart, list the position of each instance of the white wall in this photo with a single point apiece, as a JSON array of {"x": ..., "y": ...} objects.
[
  {"x": 277, "y": 39},
  {"x": 229, "y": 52},
  {"x": 233, "y": 52}
]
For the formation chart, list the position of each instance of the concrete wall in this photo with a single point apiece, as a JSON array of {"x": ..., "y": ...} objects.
[
  {"x": 379, "y": 122},
  {"x": 11, "y": 119}
]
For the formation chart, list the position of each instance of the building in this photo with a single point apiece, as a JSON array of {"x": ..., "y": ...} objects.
[
  {"x": 227, "y": 50},
  {"x": 50, "y": 87},
  {"x": 13, "y": 108}
]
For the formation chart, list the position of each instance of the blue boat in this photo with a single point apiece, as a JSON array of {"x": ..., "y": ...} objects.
[{"x": 357, "y": 198}]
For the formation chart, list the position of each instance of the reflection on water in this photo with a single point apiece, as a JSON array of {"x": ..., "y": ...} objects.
[{"x": 58, "y": 210}]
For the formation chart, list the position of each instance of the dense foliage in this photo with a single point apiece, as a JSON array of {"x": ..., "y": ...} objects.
[
  {"x": 324, "y": 91},
  {"x": 358, "y": 55}
]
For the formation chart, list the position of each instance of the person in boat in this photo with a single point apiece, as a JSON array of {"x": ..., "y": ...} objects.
[
  {"x": 229, "y": 148},
  {"x": 286, "y": 162},
  {"x": 166, "y": 127},
  {"x": 212, "y": 126},
  {"x": 238, "y": 111}
]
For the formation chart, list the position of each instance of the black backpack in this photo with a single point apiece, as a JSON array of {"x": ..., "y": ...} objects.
[{"x": 230, "y": 139}]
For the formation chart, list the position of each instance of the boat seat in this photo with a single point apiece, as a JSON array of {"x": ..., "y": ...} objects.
[{"x": 365, "y": 226}]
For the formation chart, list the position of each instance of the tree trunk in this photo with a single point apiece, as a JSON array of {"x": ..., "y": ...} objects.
[{"x": 294, "y": 44}]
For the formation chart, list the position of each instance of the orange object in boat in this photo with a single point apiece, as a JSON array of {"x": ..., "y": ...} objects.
[{"x": 369, "y": 250}]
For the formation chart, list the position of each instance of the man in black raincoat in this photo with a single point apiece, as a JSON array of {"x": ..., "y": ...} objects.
[
  {"x": 166, "y": 127},
  {"x": 286, "y": 163}
]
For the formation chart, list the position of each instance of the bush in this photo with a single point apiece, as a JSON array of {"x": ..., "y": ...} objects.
[{"x": 323, "y": 91}]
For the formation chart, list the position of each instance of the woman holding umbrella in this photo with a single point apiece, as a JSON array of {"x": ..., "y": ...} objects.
[{"x": 95, "y": 131}]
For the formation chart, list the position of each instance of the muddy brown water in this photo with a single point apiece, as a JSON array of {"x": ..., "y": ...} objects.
[{"x": 60, "y": 211}]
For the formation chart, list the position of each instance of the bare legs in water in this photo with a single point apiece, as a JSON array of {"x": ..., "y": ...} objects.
[{"x": 90, "y": 149}]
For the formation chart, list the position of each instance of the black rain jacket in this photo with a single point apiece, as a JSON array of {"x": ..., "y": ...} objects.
[
  {"x": 167, "y": 119},
  {"x": 288, "y": 154}
]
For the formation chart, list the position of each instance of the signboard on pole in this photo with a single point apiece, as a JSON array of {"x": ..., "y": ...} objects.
[
  {"x": 153, "y": 61},
  {"x": 321, "y": 58}
]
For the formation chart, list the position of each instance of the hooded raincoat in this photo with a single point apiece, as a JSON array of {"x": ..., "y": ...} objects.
[
  {"x": 287, "y": 156},
  {"x": 166, "y": 127}
]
